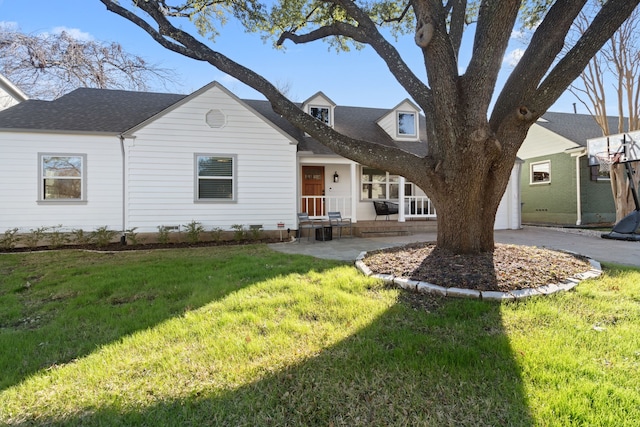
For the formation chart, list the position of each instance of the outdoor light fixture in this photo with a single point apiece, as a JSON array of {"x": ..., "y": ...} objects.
[{"x": 336, "y": 178}]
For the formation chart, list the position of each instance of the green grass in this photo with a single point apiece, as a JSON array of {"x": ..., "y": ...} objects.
[{"x": 244, "y": 336}]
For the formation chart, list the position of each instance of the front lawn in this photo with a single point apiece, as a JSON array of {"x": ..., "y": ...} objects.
[{"x": 245, "y": 336}]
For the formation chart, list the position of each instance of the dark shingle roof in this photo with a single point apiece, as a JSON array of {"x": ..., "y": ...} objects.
[
  {"x": 356, "y": 122},
  {"x": 116, "y": 111},
  {"x": 88, "y": 110},
  {"x": 575, "y": 127}
]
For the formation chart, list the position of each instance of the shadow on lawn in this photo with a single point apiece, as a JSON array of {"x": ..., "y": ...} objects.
[
  {"x": 452, "y": 366},
  {"x": 65, "y": 316}
]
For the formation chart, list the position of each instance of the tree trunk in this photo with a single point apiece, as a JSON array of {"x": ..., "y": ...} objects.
[
  {"x": 467, "y": 199},
  {"x": 466, "y": 227}
]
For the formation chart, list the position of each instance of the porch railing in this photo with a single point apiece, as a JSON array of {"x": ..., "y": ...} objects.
[
  {"x": 318, "y": 206},
  {"x": 419, "y": 207}
]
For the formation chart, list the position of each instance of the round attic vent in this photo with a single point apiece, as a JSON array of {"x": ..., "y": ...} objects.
[{"x": 216, "y": 119}]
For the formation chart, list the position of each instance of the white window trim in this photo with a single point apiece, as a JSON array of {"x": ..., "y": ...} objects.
[
  {"x": 83, "y": 197},
  {"x": 531, "y": 181},
  {"x": 234, "y": 178},
  {"x": 412, "y": 136},
  {"x": 329, "y": 109},
  {"x": 387, "y": 183}
]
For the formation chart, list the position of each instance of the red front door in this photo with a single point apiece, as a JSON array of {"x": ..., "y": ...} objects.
[{"x": 313, "y": 185}]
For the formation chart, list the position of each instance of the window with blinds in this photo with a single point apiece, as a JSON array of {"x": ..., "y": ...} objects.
[{"x": 215, "y": 177}]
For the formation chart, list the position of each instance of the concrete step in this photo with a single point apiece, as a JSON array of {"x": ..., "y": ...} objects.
[{"x": 393, "y": 228}]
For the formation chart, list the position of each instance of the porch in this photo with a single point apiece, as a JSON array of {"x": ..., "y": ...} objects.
[
  {"x": 415, "y": 216},
  {"x": 413, "y": 208}
]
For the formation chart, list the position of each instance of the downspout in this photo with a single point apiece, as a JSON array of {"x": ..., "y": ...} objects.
[
  {"x": 578, "y": 188},
  {"x": 123, "y": 238}
]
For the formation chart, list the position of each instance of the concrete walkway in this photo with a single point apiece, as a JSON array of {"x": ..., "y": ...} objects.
[{"x": 584, "y": 242}]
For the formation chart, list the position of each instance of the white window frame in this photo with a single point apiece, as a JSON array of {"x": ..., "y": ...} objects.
[
  {"x": 329, "y": 121},
  {"x": 42, "y": 199},
  {"x": 532, "y": 172},
  {"x": 233, "y": 178},
  {"x": 389, "y": 181},
  {"x": 413, "y": 135}
]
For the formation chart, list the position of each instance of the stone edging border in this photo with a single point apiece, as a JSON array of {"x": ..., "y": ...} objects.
[{"x": 425, "y": 287}]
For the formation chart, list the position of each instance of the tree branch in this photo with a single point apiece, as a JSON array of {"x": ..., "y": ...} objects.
[
  {"x": 458, "y": 21},
  {"x": 547, "y": 42},
  {"x": 496, "y": 19},
  {"x": 376, "y": 155},
  {"x": 604, "y": 25},
  {"x": 336, "y": 29}
]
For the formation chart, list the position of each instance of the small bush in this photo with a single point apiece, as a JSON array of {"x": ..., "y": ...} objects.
[
  {"x": 194, "y": 229},
  {"x": 57, "y": 238},
  {"x": 256, "y": 231},
  {"x": 163, "y": 234},
  {"x": 239, "y": 232},
  {"x": 216, "y": 234},
  {"x": 102, "y": 236},
  {"x": 79, "y": 237},
  {"x": 35, "y": 236},
  {"x": 131, "y": 235},
  {"x": 10, "y": 239}
]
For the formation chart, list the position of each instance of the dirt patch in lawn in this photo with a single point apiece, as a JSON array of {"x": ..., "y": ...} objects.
[{"x": 510, "y": 267}]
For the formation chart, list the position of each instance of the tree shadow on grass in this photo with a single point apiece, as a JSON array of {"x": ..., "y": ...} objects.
[
  {"x": 62, "y": 315},
  {"x": 425, "y": 361}
]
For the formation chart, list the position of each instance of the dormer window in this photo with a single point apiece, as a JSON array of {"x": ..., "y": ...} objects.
[
  {"x": 321, "y": 113},
  {"x": 402, "y": 123},
  {"x": 321, "y": 108},
  {"x": 407, "y": 124}
]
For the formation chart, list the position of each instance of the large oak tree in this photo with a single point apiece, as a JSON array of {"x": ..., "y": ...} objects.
[{"x": 471, "y": 150}]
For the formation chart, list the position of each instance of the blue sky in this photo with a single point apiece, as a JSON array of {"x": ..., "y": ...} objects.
[{"x": 357, "y": 78}]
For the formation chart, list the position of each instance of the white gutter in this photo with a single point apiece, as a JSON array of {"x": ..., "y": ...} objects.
[
  {"x": 124, "y": 225},
  {"x": 124, "y": 185}
]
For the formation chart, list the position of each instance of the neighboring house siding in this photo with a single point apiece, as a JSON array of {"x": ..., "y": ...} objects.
[
  {"x": 553, "y": 202},
  {"x": 160, "y": 169},
  {"x": 542, "y": 142},
  {"x": 19, "y": 165},
  {"x": 597, "y": 200}
]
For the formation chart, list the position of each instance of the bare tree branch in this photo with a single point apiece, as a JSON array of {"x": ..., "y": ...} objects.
[
  {"x": 47, "y": 66},
  {"x": 603, "y": 26}
]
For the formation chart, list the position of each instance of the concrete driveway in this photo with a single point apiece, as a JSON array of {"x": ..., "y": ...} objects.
[{"x": 584, "y": 242}]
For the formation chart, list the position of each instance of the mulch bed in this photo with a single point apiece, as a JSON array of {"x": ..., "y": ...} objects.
[
  {"x": 118, "y": 247},
  {"x": 510, "y": 267}
]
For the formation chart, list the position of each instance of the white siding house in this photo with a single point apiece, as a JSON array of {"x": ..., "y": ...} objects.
[
  {"x": 123, "y": 160},
  {"x": 161, "y": 166},
  {"x": 143, "y": 176},
  {"x": 99, "y": 179}
]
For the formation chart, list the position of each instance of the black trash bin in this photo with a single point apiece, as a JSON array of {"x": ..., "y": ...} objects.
[{"x": 326, "y": 230}]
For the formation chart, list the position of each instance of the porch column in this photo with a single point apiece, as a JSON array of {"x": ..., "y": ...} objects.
[
  {"x": 354, "y": 191},
  {"x": 401, "y": 200}
]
